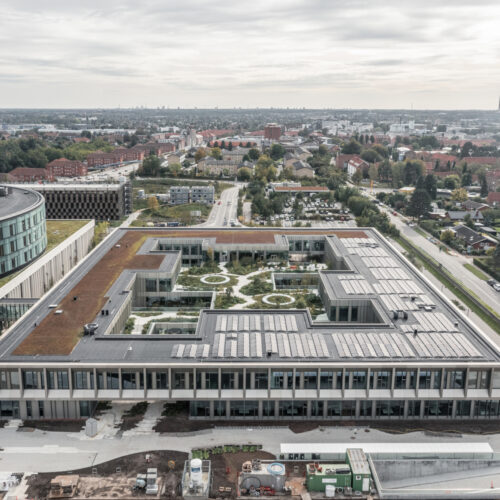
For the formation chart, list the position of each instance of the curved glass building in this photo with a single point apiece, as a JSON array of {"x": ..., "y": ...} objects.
[{"x": 23, "y": 234}]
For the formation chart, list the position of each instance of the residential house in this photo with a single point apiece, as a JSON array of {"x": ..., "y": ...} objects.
[
  {"x": 473, "y": 239},
  {"x": 62, "y": 167},
  {"x": 302, "y": 169},
  {"x": 459, "y": 215}
]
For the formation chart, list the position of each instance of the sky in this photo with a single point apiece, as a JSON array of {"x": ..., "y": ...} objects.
[{"x": 425, "y": 54}]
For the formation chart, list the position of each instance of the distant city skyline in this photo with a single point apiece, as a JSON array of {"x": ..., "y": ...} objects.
[{"x": 259, "y": 54}]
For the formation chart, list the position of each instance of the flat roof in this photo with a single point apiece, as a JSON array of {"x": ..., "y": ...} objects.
[
  {"x": 18, "y": 201},
  {"x": 399, "y": 448},
  {"x": 248, "y": 335}
]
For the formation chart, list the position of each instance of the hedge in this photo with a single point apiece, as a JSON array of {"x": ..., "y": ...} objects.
[{"x": 479, "y": 263}]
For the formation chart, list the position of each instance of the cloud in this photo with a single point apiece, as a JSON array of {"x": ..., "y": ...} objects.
[{"x": 265, "y": 53}]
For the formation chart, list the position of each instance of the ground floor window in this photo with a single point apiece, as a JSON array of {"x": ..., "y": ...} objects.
[
  {"x": 487, "y": 408},
  {"x": 293, "y": 409},
  {"x": 84, "y": 408},
  {"x": 9, "y": 409},
  {"x": 244, "y": 408},
  {"x": 199, "y": 408}
]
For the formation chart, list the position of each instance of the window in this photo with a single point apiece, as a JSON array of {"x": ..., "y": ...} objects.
[
  {"x": 293, "y": 408},
  {"x": 359, "y": 380},
  {"x": 84, "y": 409},
  {"x": 58, "y": 379},
  {"x": 41, "y": 409},
  {"x": 80, "y": 380},
  {"x": 365, "y": 408},
  {"x": 244, "y": 408},
  {"x": 414, "y": 409},
  {"x": 333, "y": 408},
  {"x": 317, "y": 408},
  {"x": 268, "y": 408},
  {"x": 439, "y": 408},
  {"x": 478, "y": 379},
  {"x": 29, "y": 409},
  {"x": 260, "y": 379},
  {"x": 348, "y": 408},
  {"x": 326, "y": 380},
  {"x": 487, "y": 408},
  {"x": 199, "y": 408},
  {"x": 220, "y": 409},
  {"x": 343, "y": 313},
  {"x": 354, "y": 313},
  {"x": 162, "y": 380},
  {"x": 207, "y": 380},
  {"x": 112, "y": 380},
  {"x": 281, "y": 380},
  {"x": 310, "y": 380},
  {"x": 30, "y": 379},
  {"x": 384, "y": 380},
  {"x": 165, "y": 285},
  {"x": 150, "y": 285},
  {"x": 462, "y": 409},
  {"x": 456, "y": 379}
]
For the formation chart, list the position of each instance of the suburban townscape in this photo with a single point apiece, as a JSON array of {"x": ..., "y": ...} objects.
[{"x": 286, "y": 298}]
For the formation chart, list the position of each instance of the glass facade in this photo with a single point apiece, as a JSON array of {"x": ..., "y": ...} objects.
[{"x": 22, "y": 238}]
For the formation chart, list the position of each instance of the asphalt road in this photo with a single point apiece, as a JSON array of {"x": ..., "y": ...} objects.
[
  {"x": 453, "y": 263},
  {"x": 221, "y": 214}
]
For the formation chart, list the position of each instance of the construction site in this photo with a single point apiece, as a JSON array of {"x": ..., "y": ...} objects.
[{"x": 301, "y": 471}]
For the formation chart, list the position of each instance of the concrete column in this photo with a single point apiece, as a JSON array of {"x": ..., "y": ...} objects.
[
  {"x": 170, "y": 383},
  {"x": 318, "y": 384},
  {"x": 343, "y": 383},
  {"x": 444, "y": 377},
  {"x": 21, "y": 384},
  {"x": 95, "y": 382},
  {"x": 368, "y": 373},
  {"x": 219, "y": 382},
  {"x": 393, "y": 376},
  {"x": 490, "y": 388},
  {"x": 454, "y": 408},
  {"x": 417, "y": 382},
  {"x": 120, "y": 382},
  {"x": 268, "y": 386},
  {"x": 293, "y": 383},
  {"x": 466, "y": 381},
  {"x": 70, "y": 382},
  {"x": 144, "y": 374},
  {"x": 244, "y": 383}
]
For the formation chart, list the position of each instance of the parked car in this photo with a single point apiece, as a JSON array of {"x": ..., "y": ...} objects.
[
  {"x": 492, "y": 282},
  {"x": 496, "y": 287}
]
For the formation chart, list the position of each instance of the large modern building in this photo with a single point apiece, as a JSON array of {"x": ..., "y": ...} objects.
[
  {"x": 390, "y": 345},
  {"x": 23, "y": 235},
  {"x": 86, "y": 201}
]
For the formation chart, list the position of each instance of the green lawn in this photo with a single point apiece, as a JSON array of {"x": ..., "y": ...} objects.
[
  {"x": 59, "y": 230},
  {"x": 476, "y": 271},
  {"x": 180, "y": 213}
]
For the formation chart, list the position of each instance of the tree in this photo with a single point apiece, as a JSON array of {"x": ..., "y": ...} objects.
[
  {"x": 413, "y": 169},
  {"x": 451, "y": 182},
  {"x": 484, "y": 186},
  {"x": 446, "y": 236},
  {"x": 244, "y": 174},
  {"x": 253, "y": 154},
  {"x": 459, "y": 194},
  {"x": 468, "y": 221},
  {"x": 201, "y": 153},
  {"x": 467, "y": 178},
  {"x": 430, "y": 185},
  {"x": 420, "y": 201},
  {"x": 153, "y": 204},
  {"x": 174, "y": 169},
  {"x": 277, "y": 151},
  {"x": 353, "y": 147},
  {"x": 150, "y": 167},
  {"x": 216, "y": 153},
  {"x": 357, "y": 176},
  {"x": 385, "y": 171},
  {"x": 371, "y": 156},
  {"x": 495, "y": 259}
]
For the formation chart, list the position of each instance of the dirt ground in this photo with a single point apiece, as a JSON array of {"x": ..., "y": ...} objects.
[
  {"x": 226, "y": 466},
  {"x": 180, "y": 422},
  {"x": 65, "y": 425},
  {"x": 128, "y": 467}
]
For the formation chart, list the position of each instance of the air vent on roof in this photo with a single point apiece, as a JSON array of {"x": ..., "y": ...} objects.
[{"x": 90, "y": 328}]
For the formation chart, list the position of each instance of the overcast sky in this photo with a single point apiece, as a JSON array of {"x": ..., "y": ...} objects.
[{"x": 441, "y": 54}]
